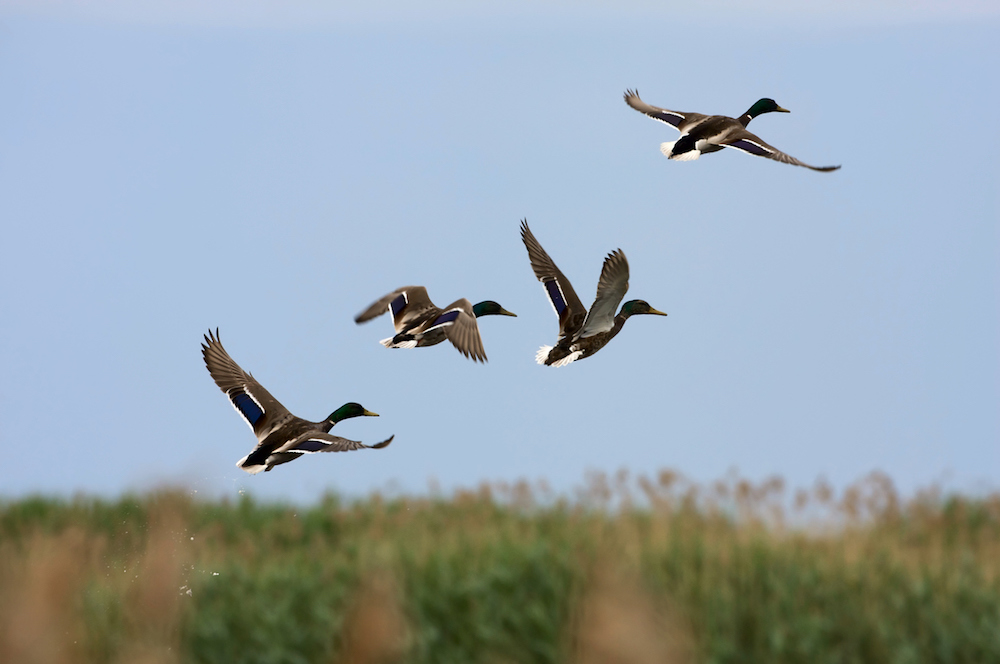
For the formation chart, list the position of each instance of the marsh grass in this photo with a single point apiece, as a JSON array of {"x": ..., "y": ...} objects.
[{"x": 646, "y": 569}]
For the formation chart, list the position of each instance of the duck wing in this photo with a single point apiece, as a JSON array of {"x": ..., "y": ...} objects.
[
  {"x": 567, "y": 305},
  {"x": 381, "y": 305},
  {"x": 744, "y": 141},
  {"x": 679, "y": 120},
  {"x": 458, "y": 322},
  {"x": 409, "y": 306},
  {"x": 611, "y": 288},
  {"x": 261, "y": 411},
  {"x": 317, "y": 441}
]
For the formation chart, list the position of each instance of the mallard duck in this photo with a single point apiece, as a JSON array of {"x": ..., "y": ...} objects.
[
  {"x": 281, "y": 436},
  {"x": 701, "y": 134},
  {"x": 419, "y": 323},
  {"x": 582, "y": 333}
]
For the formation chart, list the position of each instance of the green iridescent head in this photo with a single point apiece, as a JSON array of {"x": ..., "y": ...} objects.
[
  {"x": 349, "y": 410},
  {"x": 765, "y": 105},
  {"x": 636, "y": 307},
  {"x": 490, "y": 308}
]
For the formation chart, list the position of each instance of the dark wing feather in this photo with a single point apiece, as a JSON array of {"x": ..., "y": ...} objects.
[
  {"x": 460, "y": 326},
  {"x": 317, "y": 441},
  {"x": 751, "y": 144},
  {"x": 567, "y": 305},
  {"x": 406, "y": 303},
  {"x": 254, "y": 403},
  {"x": 677, "y": 119}
]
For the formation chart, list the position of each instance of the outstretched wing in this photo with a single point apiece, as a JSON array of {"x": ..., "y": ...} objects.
[
  {"x": 677, "y": 119},
  {"x": 752, "y": 144},
  {"x": 317, "y": 441},
  {"x": 567, "y": 305},
  {"x": 256, "y": 406},
  {"x": 405, "y": 304},
  {"x": 459, "y": 324},
  {"x": 611, "y": 288}
]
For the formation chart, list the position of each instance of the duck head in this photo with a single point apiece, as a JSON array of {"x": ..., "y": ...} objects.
[
  {"x": 765, "y": 105},
  {"x": 349, "y": 410},
  {"x": 636, "y": 307},
  {"x": 490, "y": 308}
]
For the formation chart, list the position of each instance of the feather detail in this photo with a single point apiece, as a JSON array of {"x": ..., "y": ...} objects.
[
  {"x": 542, "y": 354},
  {"x": 668, "y": 148},
  {"x": 254, "y": 469},
  {"x": 572, "y": 357},
  {"x": 249, "y": 408},
  {"x": 409, "y": 343}
]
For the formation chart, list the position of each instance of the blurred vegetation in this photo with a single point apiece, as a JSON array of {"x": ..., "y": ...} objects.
[{"x": 624, "y": 570}]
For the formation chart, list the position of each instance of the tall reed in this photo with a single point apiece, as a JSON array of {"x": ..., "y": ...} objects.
[{"x": 626, "y": 569}]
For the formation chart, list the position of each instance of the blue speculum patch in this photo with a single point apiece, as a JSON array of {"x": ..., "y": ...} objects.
[
  {"x": 248, "y": 407},
  {"x": 311, "y": 445},
  {"x": 446, "y": 317},
  {"x": 397, "y": 305},
  {"x": 752, "y": 148},
  {"x": 556, "y": 296},
  {"x": 672, "y": 118}
]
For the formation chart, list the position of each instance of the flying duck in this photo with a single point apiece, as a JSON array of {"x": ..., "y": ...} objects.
[
  {"x": 281, "y": 437},
  {"x": 701, "y": 134},
  {"x": 582, "y": 333},
  {"x": 419, "y": 323}
]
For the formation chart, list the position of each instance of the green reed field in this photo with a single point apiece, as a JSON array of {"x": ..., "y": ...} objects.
[{"x": 624, "y": 570}]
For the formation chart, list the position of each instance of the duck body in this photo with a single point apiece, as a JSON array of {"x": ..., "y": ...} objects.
[
  {"x": 419, "y": 322},
  {"x": 581, "y": 332},
  {"x": 281, "y": 436},
  {"x": 568, "y": 350},
  {"x": 703, "y": 134}
]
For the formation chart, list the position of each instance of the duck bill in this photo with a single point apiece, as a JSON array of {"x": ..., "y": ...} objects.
[
  {"x": 656, "y": 311},
  {"x": 504, "y": 312},
  {"x": 782, "y": 110},
  {"x": 368, "y": 413}
]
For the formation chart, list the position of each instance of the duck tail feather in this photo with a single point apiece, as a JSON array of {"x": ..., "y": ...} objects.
[{"x": 542, "y": 354}]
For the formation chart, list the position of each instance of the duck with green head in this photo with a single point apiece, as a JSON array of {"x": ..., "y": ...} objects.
[
  {"x": 281, "y": 436},
  {"x": 418, "y": 322},
  {"x": 701, "y": 134},
  {"x": 581, "y": 332}
]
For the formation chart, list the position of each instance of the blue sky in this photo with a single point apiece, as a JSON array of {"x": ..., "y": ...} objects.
[{"x": 272, "y": 172}]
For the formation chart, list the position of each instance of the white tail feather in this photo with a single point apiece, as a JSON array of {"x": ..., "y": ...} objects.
[
  {"x": 542, "y": 353},
  {"x": 572, "y": 357},
  {"x": 668, "y": 148},
  {"x": 253, "y": 470},
  {"x": 412, "y": 343}
]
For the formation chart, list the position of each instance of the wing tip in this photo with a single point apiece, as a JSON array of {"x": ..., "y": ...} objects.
[{"x": 210, "y": 340}]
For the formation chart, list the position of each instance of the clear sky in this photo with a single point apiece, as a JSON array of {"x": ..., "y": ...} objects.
[{"x": 271, "y": 171}]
